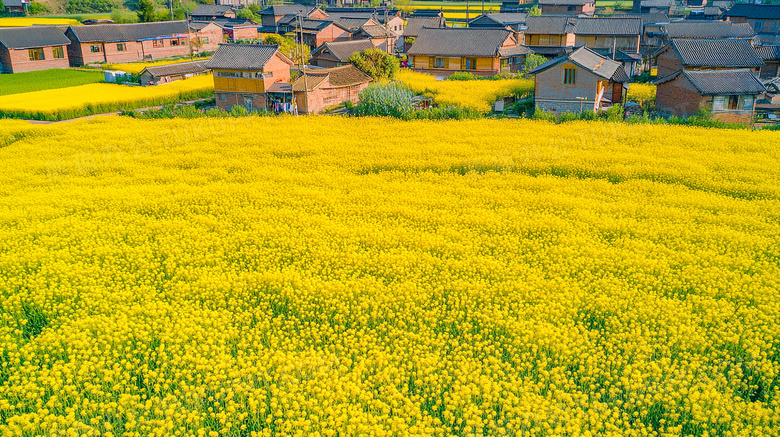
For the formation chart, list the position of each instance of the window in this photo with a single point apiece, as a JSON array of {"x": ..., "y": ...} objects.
[
  {"x": 719, "y": 103},
  {"x": 36, "y": 54},
  {"x": 759, "y": 24},
  {"x": 157, "y": 43},
  {"x": 120, "y": 47},
  {"x": 569, "y": 76},
  {"x": 437, "y": 63},
  {"x": 222, "y": 97},
  {"x": 204, "y": 40},
  {"x": 747, "y": 103},
  {"x": 733, "y": 103},
  {"x": 570, "y": 8},
  {"x": 94, "y": 48},
  {"x": 228, "y": 74},
  {"x": 504, "y": 62},
  {"x": 175, "y": 42},
  {"x": 58, "y": 52},
  {"x": 469, "y": 63}
]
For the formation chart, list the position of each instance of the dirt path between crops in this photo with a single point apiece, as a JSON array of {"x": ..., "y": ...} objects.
[{"x": 87, "y": 117}]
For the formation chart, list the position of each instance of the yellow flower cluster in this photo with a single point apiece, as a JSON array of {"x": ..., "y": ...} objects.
[
  {"x": 65, "y": 103},
  {"x": 642, "y": 93},
  {"x": 474, "y": 94},
  {"x": 280, "y": 276},
  {"x": 137, "y": 67}
]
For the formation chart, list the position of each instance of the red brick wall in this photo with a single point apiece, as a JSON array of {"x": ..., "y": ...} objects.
[
  {"x": 215, "y": 37},
  {"x": 668, "y": 62},
  {"x": 280, "y": 70},
  {"x": 81, "y": 54},
  {"x": 227, "y": 100},
  {"x": 244, "y": 33},
  {"x": 769, "y": 70},
  {"x": 678, "y": 97},
  {"x": 18, "y": 61},
  {"x": 324, "y": 97}
]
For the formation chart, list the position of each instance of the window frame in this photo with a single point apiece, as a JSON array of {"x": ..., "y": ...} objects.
[
  {"x": 158, "y": 43},
  {"x": 36, "y": 54},
  {"x": 58, "y": 51},
  {"x": 95, "y": 48},
  {"x": 569, "y": 76},
  {"x": 121, "y": 47}
]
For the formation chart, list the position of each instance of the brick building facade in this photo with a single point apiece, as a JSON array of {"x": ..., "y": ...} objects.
[
  {"x": 328, "y": 87},
  {"x": 127, "y": 42},
  {"x": 37, "y": 48}
]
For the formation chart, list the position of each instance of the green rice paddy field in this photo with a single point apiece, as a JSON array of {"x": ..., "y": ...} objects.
[{"x": 46, "y": 80}]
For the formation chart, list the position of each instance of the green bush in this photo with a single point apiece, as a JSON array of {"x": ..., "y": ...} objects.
[
  {"x": 35, "y": 8},
  {"x": 532, "y": 61},
  {"x": 391, "y": 100},
  {"x": 87, "y": 6},
  {"x": 462, "y": 75},
  {"x": 376, "y": 63}
]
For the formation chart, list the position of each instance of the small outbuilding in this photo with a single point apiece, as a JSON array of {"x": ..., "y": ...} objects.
[
  {"x": 729, "y": 94},
  {"x": 172, "y": 72},
  {"x": 323, "y": 88},
  {"x": 337, "y": 53},
  {"x": 582, "y": 80}
]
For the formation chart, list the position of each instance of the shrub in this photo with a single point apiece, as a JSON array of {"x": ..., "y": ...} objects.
[
  {"x": 532, "y": 61},
  {"x": 376, "y": 63},
  {"x": 462, "y": 75},
  {"x": 393, "y": 100}
]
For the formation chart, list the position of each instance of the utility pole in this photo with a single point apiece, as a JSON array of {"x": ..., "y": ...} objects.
[
  {"x": 189, "y": 34},
  {"x": 303, "y": 67},
  {"x": 467, "y": 13},
  {"x": 170, "y": 2}
]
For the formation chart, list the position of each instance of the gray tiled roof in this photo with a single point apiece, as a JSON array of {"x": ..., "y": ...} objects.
[
  {"x": 514, "y": 51},
  {"x": 13, "y": 3},
  {"x": 765, "y": 12},
  {"x": 768, "y": 53},
  {"x": 415, "y": 24},
  {"x": 277, "y": 10},
  {"x": 708, "y": 29},
  {"x": 714, "y": 82},
  {"x": 657, "y": 3},
  {"x": 609, "y": 26},
  {"x": 459, "y": 41},
  {"x": 212, "y": 10},
  {"x": 550, "y": 25},
  {"x": 128, "y": 32},
  {"x": 353, "y": 24},
  {"x": 30, "y": 37},
  {"x": 724, "y": 53},
  {"x": 342, "y": 50},
  {"x": 504, "y": 18},
  {"x": 177, "y": 69},
  {"x": 591, "y": 61},
  {"x": 346, "y": 75},
  {"x": 242, "y": 56},
  {"x": 314, "y": 25},
  {"x": 565, "y": 2}
]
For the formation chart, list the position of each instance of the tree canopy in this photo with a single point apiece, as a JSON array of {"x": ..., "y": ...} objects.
[{"x": 376, "y": 63}]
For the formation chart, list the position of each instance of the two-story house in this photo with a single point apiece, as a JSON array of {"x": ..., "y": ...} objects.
[
  {"x": 550, "y": 36},
  {"x": 764, "y": 19},
  {"x": 245, "y": 73},
  {"x": 483, "y": 52},
  {"x": 582, "y": 80}
]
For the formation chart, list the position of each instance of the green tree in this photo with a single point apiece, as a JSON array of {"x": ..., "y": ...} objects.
[
  {"x": 534, "y": 11},
  {"x": 289, "y": 48},
  {"x": 35, "y": 8},
  {"x": 146, "y": 11},
  {"x": 376, "y": 63},
  {"x": 532, "y": 61},
  {"x": 246, "y": 14}
]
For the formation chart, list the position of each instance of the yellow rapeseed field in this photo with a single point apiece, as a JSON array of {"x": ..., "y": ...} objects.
[
  {"x": 39, "y": 21},
  {"x": 63, "y": 103},
  {"x": 474, "y": 94},
  {"x": 284, "y": 276},
  {"x": 137, "y": 67},
  {"x": 642, "y": 93}
]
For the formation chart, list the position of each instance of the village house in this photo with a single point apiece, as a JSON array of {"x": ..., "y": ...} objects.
[
  {"x": 336, "y": 54},
  {"x": 244, "y": 73},
  {"x": 321, "y": 89},
  {"x": 514, "y": 6},
  {"x": 205, "y": 36},
  {"x": 160, "y": 74},
  {"x": 514, "y": 21},
  {"x": 416, "y": 24},
  {"x": 764, "y": 19},
  {"x": 237, "y": 29},
  {"x": 127, "y": 42},
  {"x": 652, "y": 6},
  {"x": 212, "y": 12},
  {"x": 32, "y": 49},
  {"x": 550, "y": 36},
  {"x": 705, "y": 29},
  {"x": 316, "y": 32},
  {"x": 14, "y": 7},
  {"x": 618, "y": 33},
  {"x": 481, "y": 51},
  {"x": 711, "y": 54},
  {"x": 582, "y": 80},
  {"x": 771, "y": 57},
  {"x": 270, "y": 16},
  {"x": 730, "y": 95},
  {"x": 568, "y": 7},
  {"x": 394, "y": 21}
]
